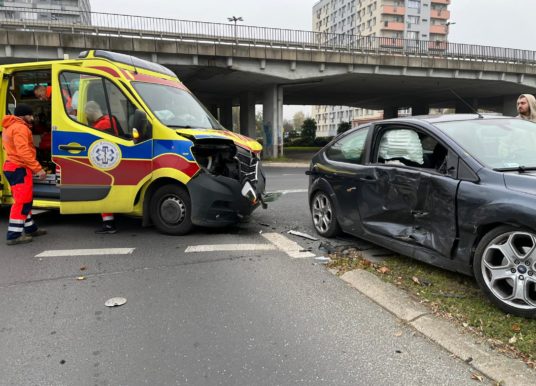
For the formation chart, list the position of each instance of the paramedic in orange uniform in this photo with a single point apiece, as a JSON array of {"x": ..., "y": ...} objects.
[
  {"x": 98, "y": 120},
  {"x": 19, "y": 166}
]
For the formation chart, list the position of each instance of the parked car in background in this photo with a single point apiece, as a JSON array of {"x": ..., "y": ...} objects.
[{"x": 455, "y": 191}]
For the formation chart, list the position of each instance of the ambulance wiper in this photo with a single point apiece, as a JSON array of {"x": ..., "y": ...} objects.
[{"x": 186, "y": 127}]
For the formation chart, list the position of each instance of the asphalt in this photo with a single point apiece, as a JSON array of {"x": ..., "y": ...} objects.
[{"x": 470, "y": 349}]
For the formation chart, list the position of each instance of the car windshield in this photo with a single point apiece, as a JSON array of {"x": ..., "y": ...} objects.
[
  {"x": 176, "y": 107},
  {"x": 496, "y": 143}
]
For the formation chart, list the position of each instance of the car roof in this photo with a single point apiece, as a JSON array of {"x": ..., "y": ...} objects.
[{"x": 431, "y": 119}]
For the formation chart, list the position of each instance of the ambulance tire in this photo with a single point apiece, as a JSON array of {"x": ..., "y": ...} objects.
[{"x": 170, "y": 210}]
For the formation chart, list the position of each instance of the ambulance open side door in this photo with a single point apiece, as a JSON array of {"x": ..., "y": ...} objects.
[{"x": 102, "y": 167}]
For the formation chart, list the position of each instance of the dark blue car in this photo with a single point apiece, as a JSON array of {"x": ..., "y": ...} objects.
[{"x": 455, "y": 191}]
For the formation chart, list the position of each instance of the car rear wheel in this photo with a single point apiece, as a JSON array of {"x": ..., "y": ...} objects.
[
  {"x": 170, "y": 210},
  {"x": 323, "y": 214},
  {"x": 505, "y": 269}
]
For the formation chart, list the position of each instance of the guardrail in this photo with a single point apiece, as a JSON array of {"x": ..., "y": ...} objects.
[{"x": 108, "y": 24}]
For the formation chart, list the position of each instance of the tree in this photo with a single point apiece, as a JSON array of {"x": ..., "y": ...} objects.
[
  {"x": 308, "y": 130},
  {"x": 298, "y": 119},
  {"x": 343, "y": 126},
  {"x": 258, "y": 124}
]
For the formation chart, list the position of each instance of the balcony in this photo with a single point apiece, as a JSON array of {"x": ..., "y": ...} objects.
[
  {"x": 446, "y": 2},
  {"x": 440, "y": 29},
  {"x": 392, "y": 10},
  {"x": 392, "y": 26},
  {"x": 441, "y": 14}
]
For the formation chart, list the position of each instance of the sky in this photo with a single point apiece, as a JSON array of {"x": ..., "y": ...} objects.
[{"x": 499, "y": 23}]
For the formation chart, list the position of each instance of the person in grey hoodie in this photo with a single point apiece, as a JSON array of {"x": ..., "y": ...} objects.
[{"x": 526, "y": 107}]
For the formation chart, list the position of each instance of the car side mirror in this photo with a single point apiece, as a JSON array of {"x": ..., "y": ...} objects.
[{"x": 140, "y": 127}]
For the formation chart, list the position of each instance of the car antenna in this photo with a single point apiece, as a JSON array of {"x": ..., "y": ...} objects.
[
  {"x": 467, "y": 104},
  {"x": 133, "y": 65}
]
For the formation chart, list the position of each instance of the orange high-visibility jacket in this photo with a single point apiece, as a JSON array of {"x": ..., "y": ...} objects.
[{"x": 18, "y": 144}]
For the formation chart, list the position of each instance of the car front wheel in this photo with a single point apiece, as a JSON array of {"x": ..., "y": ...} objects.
[
  {"x": 323, "y": 214},
  {"x": 170, "y": 210},
  {"x": 505, "y": 269}
]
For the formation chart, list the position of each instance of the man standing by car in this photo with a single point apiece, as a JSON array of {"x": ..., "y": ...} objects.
[
  {"x": 19, "y": 166},
  {"x": 526, "y": 107}
]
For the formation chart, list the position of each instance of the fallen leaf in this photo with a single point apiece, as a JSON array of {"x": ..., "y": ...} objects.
[
  {"x": 383, "y": 270},
  {"x": 416, "y": 280},
  {"x": 512, "y": 340},
  {"x": 465, "y": 325},
  {"x": 81, "y": 278},
  {"x": 477, "y": 377},
  {"x": 516, "y": 327},
  {"x": 366, "y": 263},
  {"x": 398, "y": 334}
]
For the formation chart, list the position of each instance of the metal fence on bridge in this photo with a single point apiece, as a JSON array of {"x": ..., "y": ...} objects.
[{"x": 108, "y": 24}]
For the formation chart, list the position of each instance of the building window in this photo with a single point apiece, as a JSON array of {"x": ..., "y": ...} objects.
[{"x": 414, "y": 4}]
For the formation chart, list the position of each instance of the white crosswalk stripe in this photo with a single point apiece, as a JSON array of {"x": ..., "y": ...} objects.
[
  {"x": 288, "y": 246},
  {"x": 86, "y": 252},
  {"x": 229, "y": 247}
]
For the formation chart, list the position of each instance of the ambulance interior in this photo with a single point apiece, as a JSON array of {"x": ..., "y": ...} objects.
[{"x": 21, "y": 90}]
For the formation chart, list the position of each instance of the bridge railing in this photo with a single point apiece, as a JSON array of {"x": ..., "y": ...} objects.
[{"x": 109, "y": 24}]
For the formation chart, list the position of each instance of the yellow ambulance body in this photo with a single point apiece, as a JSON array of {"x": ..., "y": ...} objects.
[{"x": 128, "y": 137}]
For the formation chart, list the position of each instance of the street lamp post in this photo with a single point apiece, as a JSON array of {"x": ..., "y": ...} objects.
[{"x": 234, "y": 20}]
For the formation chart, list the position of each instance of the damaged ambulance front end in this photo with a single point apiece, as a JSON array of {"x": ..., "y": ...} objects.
[
  {"x": 219, "y": 176},
  {"x": 230, "y": 183}
]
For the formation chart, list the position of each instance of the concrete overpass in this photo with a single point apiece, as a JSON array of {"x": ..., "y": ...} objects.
[{"x": 227, "y": 65}]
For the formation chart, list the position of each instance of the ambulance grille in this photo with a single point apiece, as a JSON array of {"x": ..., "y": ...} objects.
[{"x": 247, "y": 164}]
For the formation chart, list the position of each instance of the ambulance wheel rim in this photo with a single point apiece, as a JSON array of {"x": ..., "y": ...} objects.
[{"x": 172, "y": 210}]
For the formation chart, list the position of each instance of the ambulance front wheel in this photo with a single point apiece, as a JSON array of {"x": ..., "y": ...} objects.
[{"x": 170, "y": 210}]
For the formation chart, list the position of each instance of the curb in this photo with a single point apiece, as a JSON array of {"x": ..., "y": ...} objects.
[{"x": 476, "y": 353}]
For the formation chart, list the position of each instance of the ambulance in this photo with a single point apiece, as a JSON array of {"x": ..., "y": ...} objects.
[{"x": 166, "y": 159}]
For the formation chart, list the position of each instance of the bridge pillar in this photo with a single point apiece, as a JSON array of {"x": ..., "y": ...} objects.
[
  {"x": 390, "y": 112},
  {"x": 272, "y": 121},
  {"x": 247, "y": 115},
  {"x": 509, "y": 105},
  {"x": 226, "y": 114}
]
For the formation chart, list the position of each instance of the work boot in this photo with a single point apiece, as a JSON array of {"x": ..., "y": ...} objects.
[
  {"x": 39, "y": 232},
  {"x": 107, "y": 229},
  {"x": 22, "y": 239}
]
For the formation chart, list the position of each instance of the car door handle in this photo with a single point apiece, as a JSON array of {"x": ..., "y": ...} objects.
[
  {"x": 419, "y": 213},
  {"x": 72, "y": 147},
  {"x": 368, "y": 179}
]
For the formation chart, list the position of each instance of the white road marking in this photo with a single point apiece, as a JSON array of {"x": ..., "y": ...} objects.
[
  {"x": 286, "y": 245},
  {"x": 39, "y": 211},
  {"x": 86, "y": 252},
  {"x": 229, "y": 247},
  {"x": 289, "y": 191}
]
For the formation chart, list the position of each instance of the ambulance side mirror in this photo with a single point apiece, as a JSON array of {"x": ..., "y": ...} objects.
[{"x": 140, "y": 127}]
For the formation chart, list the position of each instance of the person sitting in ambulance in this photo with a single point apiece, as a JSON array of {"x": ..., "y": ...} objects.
[
  {"x": 98, "y": 120},
  {"x": 45, "y": 94}
]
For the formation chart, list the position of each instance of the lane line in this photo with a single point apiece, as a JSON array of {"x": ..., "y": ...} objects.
[
  {"x": 289, "y": 191},
  {"x": 86, "y": 252},
  {"x": 291, "y": 248},
  {"x": 229, "y": 247}
]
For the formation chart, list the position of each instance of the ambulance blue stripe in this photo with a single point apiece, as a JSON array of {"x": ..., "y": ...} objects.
[
  {"x": 181, "y": 148},
  {"x": 142, "y": 151}
]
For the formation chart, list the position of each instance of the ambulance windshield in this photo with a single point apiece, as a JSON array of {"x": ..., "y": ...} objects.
[{"x": 175, "y": 107}]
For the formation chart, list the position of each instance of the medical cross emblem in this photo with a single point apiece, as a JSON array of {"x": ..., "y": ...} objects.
[{"x": 104, "y": 155}]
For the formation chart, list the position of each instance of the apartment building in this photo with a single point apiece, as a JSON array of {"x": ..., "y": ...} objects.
[
  {"x": 391, "y": 19},
  {"x": 68, "y": 11}
]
